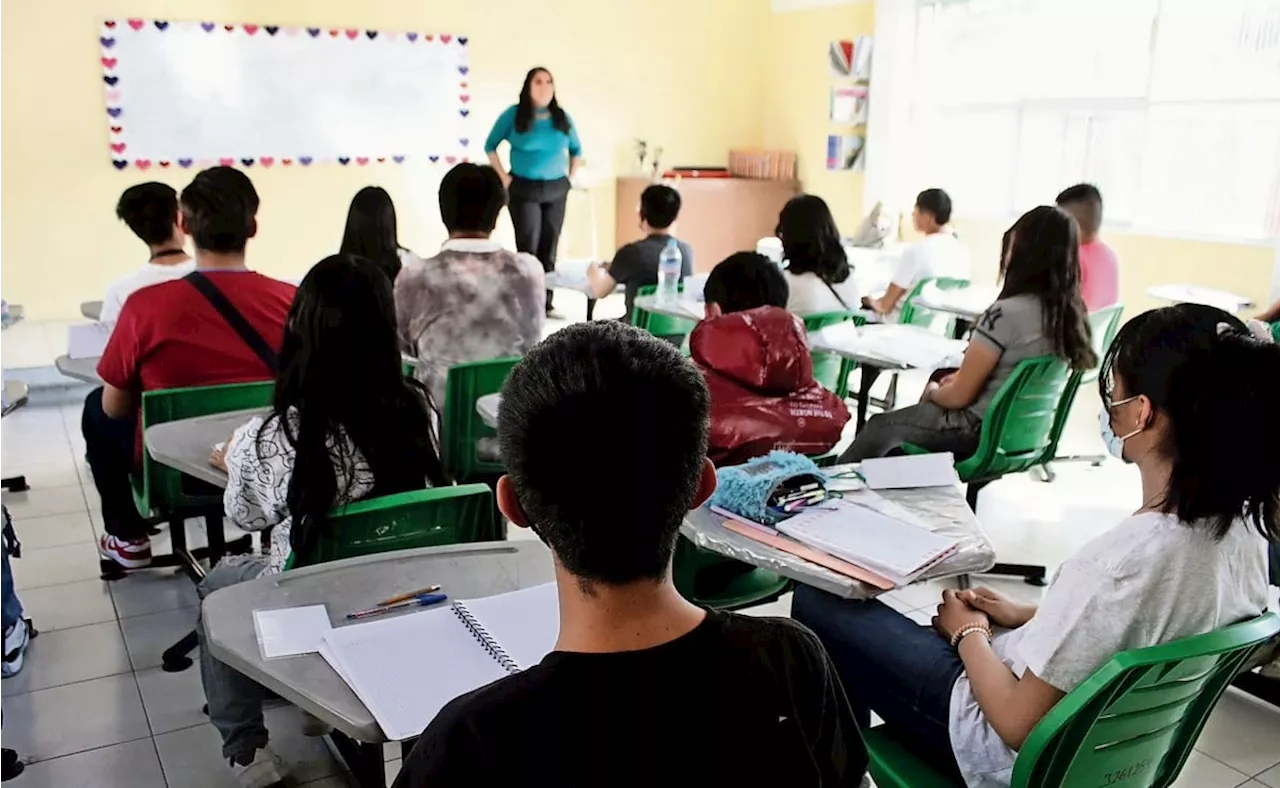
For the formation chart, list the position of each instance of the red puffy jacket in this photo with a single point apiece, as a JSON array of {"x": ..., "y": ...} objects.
[{"x": 763, "y": 395}]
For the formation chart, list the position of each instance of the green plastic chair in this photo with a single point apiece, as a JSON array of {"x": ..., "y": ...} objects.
[
  {"x": 1133, "y": 723},
  {"x": 938, "y": 323},
  {"x": 1275, "y": 331},
  {"x": 709, "y": 579},
  {"x": 674, "y": 329},
  {"x": 462, "y": 426},
  {"x": 418, "y": 518},
  {"x": 830, "y": 369}
]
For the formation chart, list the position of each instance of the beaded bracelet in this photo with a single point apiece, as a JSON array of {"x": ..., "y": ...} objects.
[{"x": 969, "y": 629}]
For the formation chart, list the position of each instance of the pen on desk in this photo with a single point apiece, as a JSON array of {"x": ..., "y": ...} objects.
[
  {"x": 405, "y": 597},
  {"x": 420, "y": 601}
]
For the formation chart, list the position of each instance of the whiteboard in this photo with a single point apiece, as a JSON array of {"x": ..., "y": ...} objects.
[{"x": 197, "y": 93}]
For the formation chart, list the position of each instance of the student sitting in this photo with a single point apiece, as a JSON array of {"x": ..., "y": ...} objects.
[
  {"x": 151, "y": 211},
  {"x": 1182, "y": 388},
  {"x": 474, "y": 300},
  {"x": 371, "y": 232},
  {"x": 938, "y": 254},
  {"x": 643, "y": 688},
  {"x": 1039, "y": 312},
  {"x": 325, "y": 442},
  {"x": 178, "y": 334},
  {"x": 755, "y": 358},
  {"x": 1099, "y": 267},
  {"x": 636, "y": 264},
  {"x": 818, "y": 273}
]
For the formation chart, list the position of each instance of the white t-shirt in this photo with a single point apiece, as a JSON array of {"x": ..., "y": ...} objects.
[
  {"x": 1149, "y": 580},
  {"x": 810, "y": 295},
  {"x": 940, "y": 254},
  {"x": 150, "y": 274}
]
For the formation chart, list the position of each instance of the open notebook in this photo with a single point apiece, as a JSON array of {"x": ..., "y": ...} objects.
[{"x": 406, "y": 669}]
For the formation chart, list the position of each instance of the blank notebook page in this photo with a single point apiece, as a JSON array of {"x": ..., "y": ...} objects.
[
  {"x": 406, "y": 669},
  {"x": 524, "y": 623}
]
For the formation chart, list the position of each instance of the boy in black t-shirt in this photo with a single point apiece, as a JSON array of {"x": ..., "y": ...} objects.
[
  {"x": 636, "y": 264},
  {"x": 643, "y": 688}
]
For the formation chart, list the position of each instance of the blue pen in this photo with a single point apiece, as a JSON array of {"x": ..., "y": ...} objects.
[{"x": 420, "y": 601}]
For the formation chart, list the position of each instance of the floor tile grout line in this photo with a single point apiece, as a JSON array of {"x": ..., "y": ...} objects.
[{"x": 82, "y": 752}]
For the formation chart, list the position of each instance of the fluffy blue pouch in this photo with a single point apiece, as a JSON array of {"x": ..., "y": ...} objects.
[{"x": 746, "y": 489}]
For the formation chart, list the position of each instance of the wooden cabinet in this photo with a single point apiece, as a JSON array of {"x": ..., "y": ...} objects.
[{"x": 718, "y": 216}]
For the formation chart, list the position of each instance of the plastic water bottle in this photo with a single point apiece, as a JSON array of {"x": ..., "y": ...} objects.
[{"x": 670, "y": 264}]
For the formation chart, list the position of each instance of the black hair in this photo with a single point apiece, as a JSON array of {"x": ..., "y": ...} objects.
[
  {"x": 612, "y": 522},
  {"x": 746, "y": 280},
  {"x": 150, "y": 210},
  {"x": 936, "y": 203},
  {"x": 525, "y": 109},
  {"x": 471, "y": 197},
  {"x": 1044, "y": 261},
  {"x": 371, "y": 230},
  {"x": 810, "y": 239},
  {"x": 218, "y": 210},
  {"x": 659, "y": 206},
  {"x": 341, "y": 328},
  {"x": 1216, "y": 386},
  {"x": 1081, "y": 192},
  {"x": 1088, "y": 199}
]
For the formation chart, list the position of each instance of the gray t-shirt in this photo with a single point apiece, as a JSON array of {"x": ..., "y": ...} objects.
[
  {"x": 1014, "y": 328},
  {"x": 1149, "y": 580},
  {"x": 636, "y": 265}
]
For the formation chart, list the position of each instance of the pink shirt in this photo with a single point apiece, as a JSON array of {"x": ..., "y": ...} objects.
[{"x": 1099, "y": 276}]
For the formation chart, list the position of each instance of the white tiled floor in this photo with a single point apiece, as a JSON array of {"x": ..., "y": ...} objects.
[{"x": 91, "y": 707}]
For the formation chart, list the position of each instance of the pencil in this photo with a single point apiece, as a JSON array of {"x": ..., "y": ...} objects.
[{"x": 408, "y": 595}]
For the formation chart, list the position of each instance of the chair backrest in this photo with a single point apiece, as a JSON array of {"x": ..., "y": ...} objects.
[
  {"x": 1275, "y": 331},
  {"x": 1017, "y": 429},
  {"x": 418, "y": 518},
  {"x": 913, "y": 315},
  {"x": 830, "y": 369},
  {"x": 1134, "y": 722},
  {"x": 673, "y": 328},
  {"x": 1103, "y": 327},
  {"x": 462, "y": 428},
  {"x": 160, "y": 488}
]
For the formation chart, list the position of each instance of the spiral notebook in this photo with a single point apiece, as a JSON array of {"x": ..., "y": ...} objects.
[{"x": 406, "y": 669}]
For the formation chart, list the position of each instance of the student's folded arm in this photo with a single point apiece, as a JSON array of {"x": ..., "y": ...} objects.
[
  {"x": 886, "y": 303},
  {"x": 1013, "y": 706},
  {"x": 966, "y": 385},
  {"x": 601, "y": 281}
]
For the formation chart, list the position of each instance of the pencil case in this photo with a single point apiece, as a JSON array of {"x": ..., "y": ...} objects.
[{"x": 747, "y": 489}]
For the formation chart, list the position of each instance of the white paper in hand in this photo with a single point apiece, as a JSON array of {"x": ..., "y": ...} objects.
[
  {"x": 291, "y": 631},
  {"x": 912, "y": 470}
]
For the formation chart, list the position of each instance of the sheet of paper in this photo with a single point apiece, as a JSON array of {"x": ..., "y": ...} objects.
[
  {"x": 291, "y": 631},
  {"x": 912, "y": 470},
  {"x": 87, "y": 340}
]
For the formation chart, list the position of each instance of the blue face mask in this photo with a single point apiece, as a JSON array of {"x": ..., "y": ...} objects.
[{"x": 1114, "y": 442}]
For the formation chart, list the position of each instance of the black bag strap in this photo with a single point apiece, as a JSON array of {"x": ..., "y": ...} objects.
[
  {"x": 832, "y": 288},
  {"x": 237, "y": 321}
]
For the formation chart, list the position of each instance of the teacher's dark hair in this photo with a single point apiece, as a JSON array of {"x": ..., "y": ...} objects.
[
  {"x": 371, "y": 230},
  {"x": 219, "y": 209},
  {"x": 471, "y": 197},
  {"x": 525, "y": 109},
  {"x": 1216, "y": 386},
  {"x": 810, "y": 239},
  {"x": 341, "y": 328}
]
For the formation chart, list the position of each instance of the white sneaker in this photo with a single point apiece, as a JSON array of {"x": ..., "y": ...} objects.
[
  {"x": 130, "y": 554},
  {"x": 266, "y": 771},
  {"x": 16, "y": 638}
]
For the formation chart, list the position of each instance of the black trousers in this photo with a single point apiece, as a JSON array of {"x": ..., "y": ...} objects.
[
  {"x": 109, "y": 449},
  {"x": 537, "y": 214}
]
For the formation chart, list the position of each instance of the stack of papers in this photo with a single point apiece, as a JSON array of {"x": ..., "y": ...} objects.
[
  {"x": 87, "y": 340},
  {"x": 908, "y": 346},
  {"x": 911, "y": 470}
]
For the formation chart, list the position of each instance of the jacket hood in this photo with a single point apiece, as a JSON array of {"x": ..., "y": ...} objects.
[{"x": 763, "y": 349}]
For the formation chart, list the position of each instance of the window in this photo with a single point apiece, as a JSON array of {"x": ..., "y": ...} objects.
[{"x": 1172, "y": 107}]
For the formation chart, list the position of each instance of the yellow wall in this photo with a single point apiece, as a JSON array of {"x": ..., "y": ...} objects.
[
  {"x": 797, "y": 107},
  {"x": 684, "y": 74}
]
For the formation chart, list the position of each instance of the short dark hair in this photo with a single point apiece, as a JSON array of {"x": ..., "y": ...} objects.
[
  {"x": 613, "y": 522},
  {"x": 1084, "y": 202},
  {"x": 936, "y": 203},
  {"x": 659, "y": 206},
  {"x": 1216, "y": 385},
  {"x": 746, "y": 280},
  {"x": 471, "y": 197},
  {"x": 150, "y": 210},
  {"x": 1081, "y": 192},
  {"x": 218, "y": 210}
]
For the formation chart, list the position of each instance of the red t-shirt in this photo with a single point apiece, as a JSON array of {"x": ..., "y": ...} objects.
[
  {"x": 170, "y": 336},
  {"x": 1099, "y": 276}
]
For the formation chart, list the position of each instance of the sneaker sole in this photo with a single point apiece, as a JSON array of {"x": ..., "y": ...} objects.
[{"x": 127, "y": 563}]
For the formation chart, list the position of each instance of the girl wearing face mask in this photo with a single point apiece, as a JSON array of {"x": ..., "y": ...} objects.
[
  {"x": 545, "y": 154},
  {"x": 1185, "y": 390}
]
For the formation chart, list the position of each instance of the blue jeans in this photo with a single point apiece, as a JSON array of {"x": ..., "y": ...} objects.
[
  {"x": 12, "y": 607},
  {"x": 890, "y": 665}
]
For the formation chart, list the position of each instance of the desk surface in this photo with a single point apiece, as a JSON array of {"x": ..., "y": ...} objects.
[
  {"x": 1195, "y": 294},
  {"x": 942, "y": 508},
  {"x": 463, "y": 571},
  {"x": 968, "y": 302},
  {"x": 82, "y": 369},
  {"x": 185, "y": 444},
  {"x": 683, "y": 308},
  {"x": 865, "y": 345},
  {"x": 91, "y": 309}
]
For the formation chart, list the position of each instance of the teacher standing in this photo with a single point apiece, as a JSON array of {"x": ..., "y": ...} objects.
[{"x": 545, "y": 153}]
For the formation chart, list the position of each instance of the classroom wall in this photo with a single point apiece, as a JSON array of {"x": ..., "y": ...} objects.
[{"x": 683, "y": 74}]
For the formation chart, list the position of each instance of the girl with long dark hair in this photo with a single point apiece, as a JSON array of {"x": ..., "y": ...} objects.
[
  {"x": 1185, "y": 390},
  {"x": 344, "y": 424},
  {"x": 818, "y": 272},
  {"x": 1039, "y": 312},
  {"x": 545, "y": 154},
  {"x": 371, "y": 232}
]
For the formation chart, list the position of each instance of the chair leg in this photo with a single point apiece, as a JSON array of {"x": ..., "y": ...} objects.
[
  {"x": 15, "y": 483},
  {"x": 174, "y": 658},
  {"x": 1033, "y": 575},
  {"x": 591, "y": 308},
  {"x": 971, "y": 493}
]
